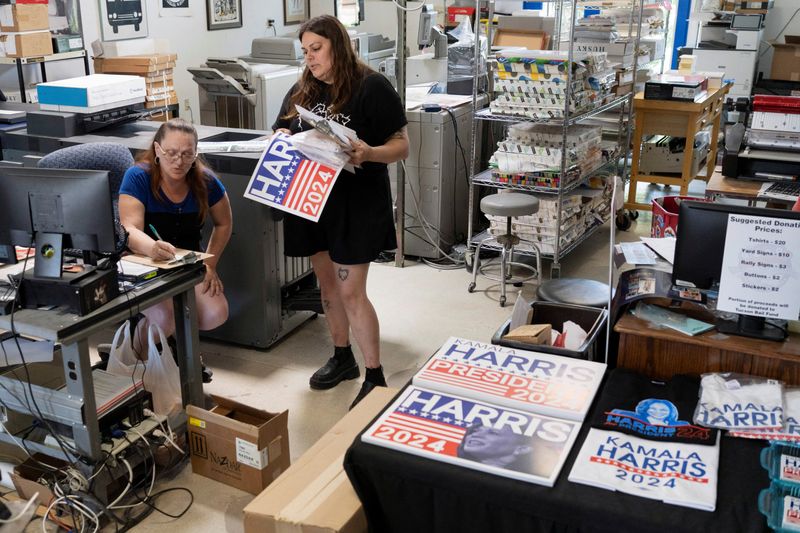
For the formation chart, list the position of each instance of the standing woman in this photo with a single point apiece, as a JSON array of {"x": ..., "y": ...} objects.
[
  {"x": 172, "y": 191},
  {"x": 357, "y": 222}
]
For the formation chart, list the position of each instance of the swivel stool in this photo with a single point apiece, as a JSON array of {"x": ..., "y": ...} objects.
[{"x": 509, "y": 204}]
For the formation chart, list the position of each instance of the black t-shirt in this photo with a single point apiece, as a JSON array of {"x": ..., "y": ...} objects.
[
  {"x": 656, "y": 410},
  {"x": 374, "y": 112},
  {"x": 357, "y": 222}
]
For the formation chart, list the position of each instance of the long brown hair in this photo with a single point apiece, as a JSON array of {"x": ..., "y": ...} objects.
[
  {"x": 348, "y": 69},
  {"x": 197, "y": 176}
]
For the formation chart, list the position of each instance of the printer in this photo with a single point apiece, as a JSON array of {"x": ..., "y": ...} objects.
[
  {"x": 247, "y": 91},
  {"x": 730, "y": 45},
  {"x": 769, "y": 149},
  {"x": 373, "y": 48},
  {"x": 283, "y": 50}
]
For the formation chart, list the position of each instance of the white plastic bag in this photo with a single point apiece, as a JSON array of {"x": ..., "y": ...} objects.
[
  {"x": 162, "y": 377},
  {"x": 123, "y": 359}
]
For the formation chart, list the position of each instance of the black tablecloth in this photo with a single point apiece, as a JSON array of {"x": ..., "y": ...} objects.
[{"x": 402, "y": 493}]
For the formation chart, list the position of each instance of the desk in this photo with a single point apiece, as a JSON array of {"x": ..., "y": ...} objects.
[
  {"x": 662, "y": 353},
  {"x": 740, "y": 188},
  {"x": 259, "y": 279},
  {"x": 678, "y": 119},
  {"x": 402, "y": 493},
  {"x": 76, "y": 407}
]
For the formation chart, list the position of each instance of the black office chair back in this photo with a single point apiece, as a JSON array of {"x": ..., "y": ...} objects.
[{"x": 112, "y": 157}]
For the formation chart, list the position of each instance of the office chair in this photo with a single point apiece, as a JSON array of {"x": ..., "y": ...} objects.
[{"x": 113, "y": 157}]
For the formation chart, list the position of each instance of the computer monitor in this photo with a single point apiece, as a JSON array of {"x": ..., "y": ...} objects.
[
  {"x": 761, "y": 272},
  {"x": 427, "y": 20},
  {"x": 56, "y": 209}
]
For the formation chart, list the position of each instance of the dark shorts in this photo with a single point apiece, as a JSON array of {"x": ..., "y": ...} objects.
[{"x": 356, "y": 224}]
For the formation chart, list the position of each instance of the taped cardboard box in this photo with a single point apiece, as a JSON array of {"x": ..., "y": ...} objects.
[
  {"x": 160, "y": 101},
  {"x": 30, "y": 44},
  {"x": 238, "y": 445},
  {"x": 24, "y": 17},
  {"x": 314, "y": 495},
  {"x": 135, "y": 64},
  {"x": 130, "y": 47},
  {"x": 786, "y": 59}
]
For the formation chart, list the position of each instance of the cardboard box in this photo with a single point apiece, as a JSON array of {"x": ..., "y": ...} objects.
[
  {"x": 162, "y": 117},
  {"x": 32, "y": 44},
  {"x": 135, "y": 64},
  {"x": 25, "y": 478},
  {"x": 786, "y": 59},
  {"x": 532, "y": 33},
  {"x": 161, "y": 102},
  {"x": 24, "y": 17},
  {"x": 90, "y": 93},
  {"x": 238, "y": 445},
  {"x": 619, "y": 49},
  {"x": 131, "y": 47},
  {"x": 530, "y": 334},
  {"x": 314, "y": 495}
]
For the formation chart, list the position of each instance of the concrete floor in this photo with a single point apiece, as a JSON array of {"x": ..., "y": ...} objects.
[{"x": 418, "y": 306}]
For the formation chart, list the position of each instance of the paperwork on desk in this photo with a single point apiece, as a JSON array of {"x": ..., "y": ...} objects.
[
  {"x": 135, "y": 271},
  {"x": 636, "y": 253},
  {"x": 419, "y": 94},
  {"x": 33, "y": 351},
  {"x": 665, "y": 247},
  {"x": 182, "y": 258}
]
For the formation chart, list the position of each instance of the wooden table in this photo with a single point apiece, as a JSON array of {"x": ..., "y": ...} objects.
[
  {"x": 678, "y": 119},
  {"x": 743, "y": 189},
  {"x": 663, "y": 353}
]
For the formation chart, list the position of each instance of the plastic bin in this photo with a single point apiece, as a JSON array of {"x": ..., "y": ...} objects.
[
  {"x": 593, "y": 348},
  {"x": 665, "y": 215}
]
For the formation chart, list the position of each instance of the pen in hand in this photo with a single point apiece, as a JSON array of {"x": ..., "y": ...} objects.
[{"x": 158, "y": 237}]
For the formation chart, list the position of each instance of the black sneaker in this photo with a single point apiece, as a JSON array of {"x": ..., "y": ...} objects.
[
  {"x": 366, "y": 388},
  {"x": 334, "y": 372}
]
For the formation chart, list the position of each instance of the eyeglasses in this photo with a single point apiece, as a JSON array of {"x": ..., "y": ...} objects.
[{"x": 173, "y": 155}]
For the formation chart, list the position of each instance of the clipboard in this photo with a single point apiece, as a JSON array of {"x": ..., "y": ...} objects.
[
  {"x": 342, "y": 135},
  {"x": 182, "y": 258}
]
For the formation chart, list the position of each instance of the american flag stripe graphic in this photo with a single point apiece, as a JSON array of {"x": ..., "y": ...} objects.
[
  {"x": 442, "y": 430},
  {"x": 470, "y": 383},
  {"x": 308, "y": 180},
  {"x": 454, "y": 437},
  {"x": 303, "y": 178},
  {"x": 296, "y": 184}
]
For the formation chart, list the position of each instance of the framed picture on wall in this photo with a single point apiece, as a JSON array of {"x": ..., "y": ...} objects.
[
  {"x": 123, "y": 19},
  {"x": 295, "y": 11},
  {"x": 224, "y": 14}
]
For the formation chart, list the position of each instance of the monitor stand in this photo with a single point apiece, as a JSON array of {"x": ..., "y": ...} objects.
[{"x": 755, "y": 327}]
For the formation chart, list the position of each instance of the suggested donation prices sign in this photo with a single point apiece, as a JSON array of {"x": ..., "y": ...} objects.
[{"x": 287, "y": 180}]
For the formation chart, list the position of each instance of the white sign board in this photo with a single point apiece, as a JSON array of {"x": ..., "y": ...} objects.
[{"x": 761, "y": 267}]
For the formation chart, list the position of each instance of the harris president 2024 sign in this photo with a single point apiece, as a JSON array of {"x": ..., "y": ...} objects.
[{"x": 287, "y": 180}]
